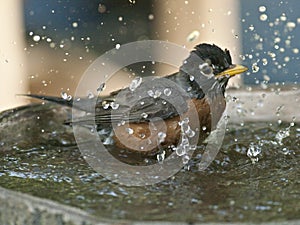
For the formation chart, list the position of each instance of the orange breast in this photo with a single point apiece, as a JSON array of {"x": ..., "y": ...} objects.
[{"x": 146, "y": 137}]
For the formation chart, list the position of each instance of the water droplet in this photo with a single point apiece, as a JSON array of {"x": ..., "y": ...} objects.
[
  {"x": 105, "y": 106},
  {"x": 151, "y": 17},
  {"x": 184, "y": 140},
  {"x": 186, "y": 120},
  {"x": 263, "y": 17},
  {"x": 154, "y": 94},
  {"x": 129, "y": 130},
  {"x": 75, "y": 24},
  {"x": 135, "y": 83},
  {"x": 263, "y": 86},
  {"x": 262, "y": 9},
  {"x": 189, "y": 132},
  {"x": 291, "y": 25},
  {"x": 161, "y": 157},
  {"x": 157, "y": 93},
  {"x": 36, "y": 38},
  {"x": 150, "y": 93},
  {"x": 167, "y": 92},
  {"x": 180, "y": 151},
  {"x": 242, "y": 57},
  {"x": 114, "y": 105},
  {"x": 260, "y": 103},
  {"x": 90, "y": 95},
  {"x": 192, "y": 147},
  {"x": 101, "y": 8},
  {"x": 285, "y": 151},
  {"x": 65, "y": 96},
  {"x": 184, "y": 126},
  {"x": 282, "y": 134},
  {"x": 101, "y": 87},
  {"x": 272, "y": 54},
  {"x": 287, "y": 59},
  {"x": 193, "y": 36},
  {"x": 264, "y": 61},
  {"x": 251, "y": 28},
  {"x": 267, "y": 78},
  {"x": 108, "y": 141},
  {"x": 255, "y": 68},
  {"x": 277, "y": 40},
  {"x": 143, "y": 136},
  {"x": 278, "y": 109},
  {"x": 144, "y": 115},
  {"x": 161, "y": 137},
  {"x": 185, "y": 159},
  {"x": 283, "y": 17},
  {"x": 295, "y": 50},
  {"x": 118, "y": 46}
]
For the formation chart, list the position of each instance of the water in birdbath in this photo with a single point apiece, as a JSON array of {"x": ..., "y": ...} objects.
[{"x": 253, "y": 178}]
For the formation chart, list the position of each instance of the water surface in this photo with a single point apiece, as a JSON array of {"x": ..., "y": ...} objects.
[{"x": 255, "y": 176}]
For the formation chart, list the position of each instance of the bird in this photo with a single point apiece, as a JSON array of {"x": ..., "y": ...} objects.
[{"x": 151, "y": 115}]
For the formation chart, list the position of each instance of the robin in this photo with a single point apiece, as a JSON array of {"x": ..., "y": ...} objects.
[{"x": 164, "y": 112}]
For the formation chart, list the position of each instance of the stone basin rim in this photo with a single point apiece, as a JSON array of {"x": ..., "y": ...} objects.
[{"x": 19, "y": 208}]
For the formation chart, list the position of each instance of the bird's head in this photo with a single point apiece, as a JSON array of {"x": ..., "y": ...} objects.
[{"x": 219, "y": 60}]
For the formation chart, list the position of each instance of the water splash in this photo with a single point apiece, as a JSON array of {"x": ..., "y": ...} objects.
[
  {"x": 254, "y": 152},
  {"x": 185, "y": 146},
  {"x": 66, "y": 96},
  {"x": 161, "y": 157},
  {"x": 282, "y": 134}
]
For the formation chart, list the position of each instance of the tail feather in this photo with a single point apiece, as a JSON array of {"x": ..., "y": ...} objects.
[
  {"x": 54, "y": 99},
  {"x": 83, "y": 104}
]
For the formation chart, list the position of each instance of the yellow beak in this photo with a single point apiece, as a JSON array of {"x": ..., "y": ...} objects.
[{"x": 232, "y": 71}]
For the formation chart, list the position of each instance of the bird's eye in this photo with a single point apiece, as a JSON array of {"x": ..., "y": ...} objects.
[{"x": 206, "y": 69}]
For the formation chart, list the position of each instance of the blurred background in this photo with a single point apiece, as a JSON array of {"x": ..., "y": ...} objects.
[{"x": 47, "y": 45}]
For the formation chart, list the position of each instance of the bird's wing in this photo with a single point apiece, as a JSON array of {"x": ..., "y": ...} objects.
[
  {"x": 143, "y": 110},
  {"x": 150, "y": 100}
]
